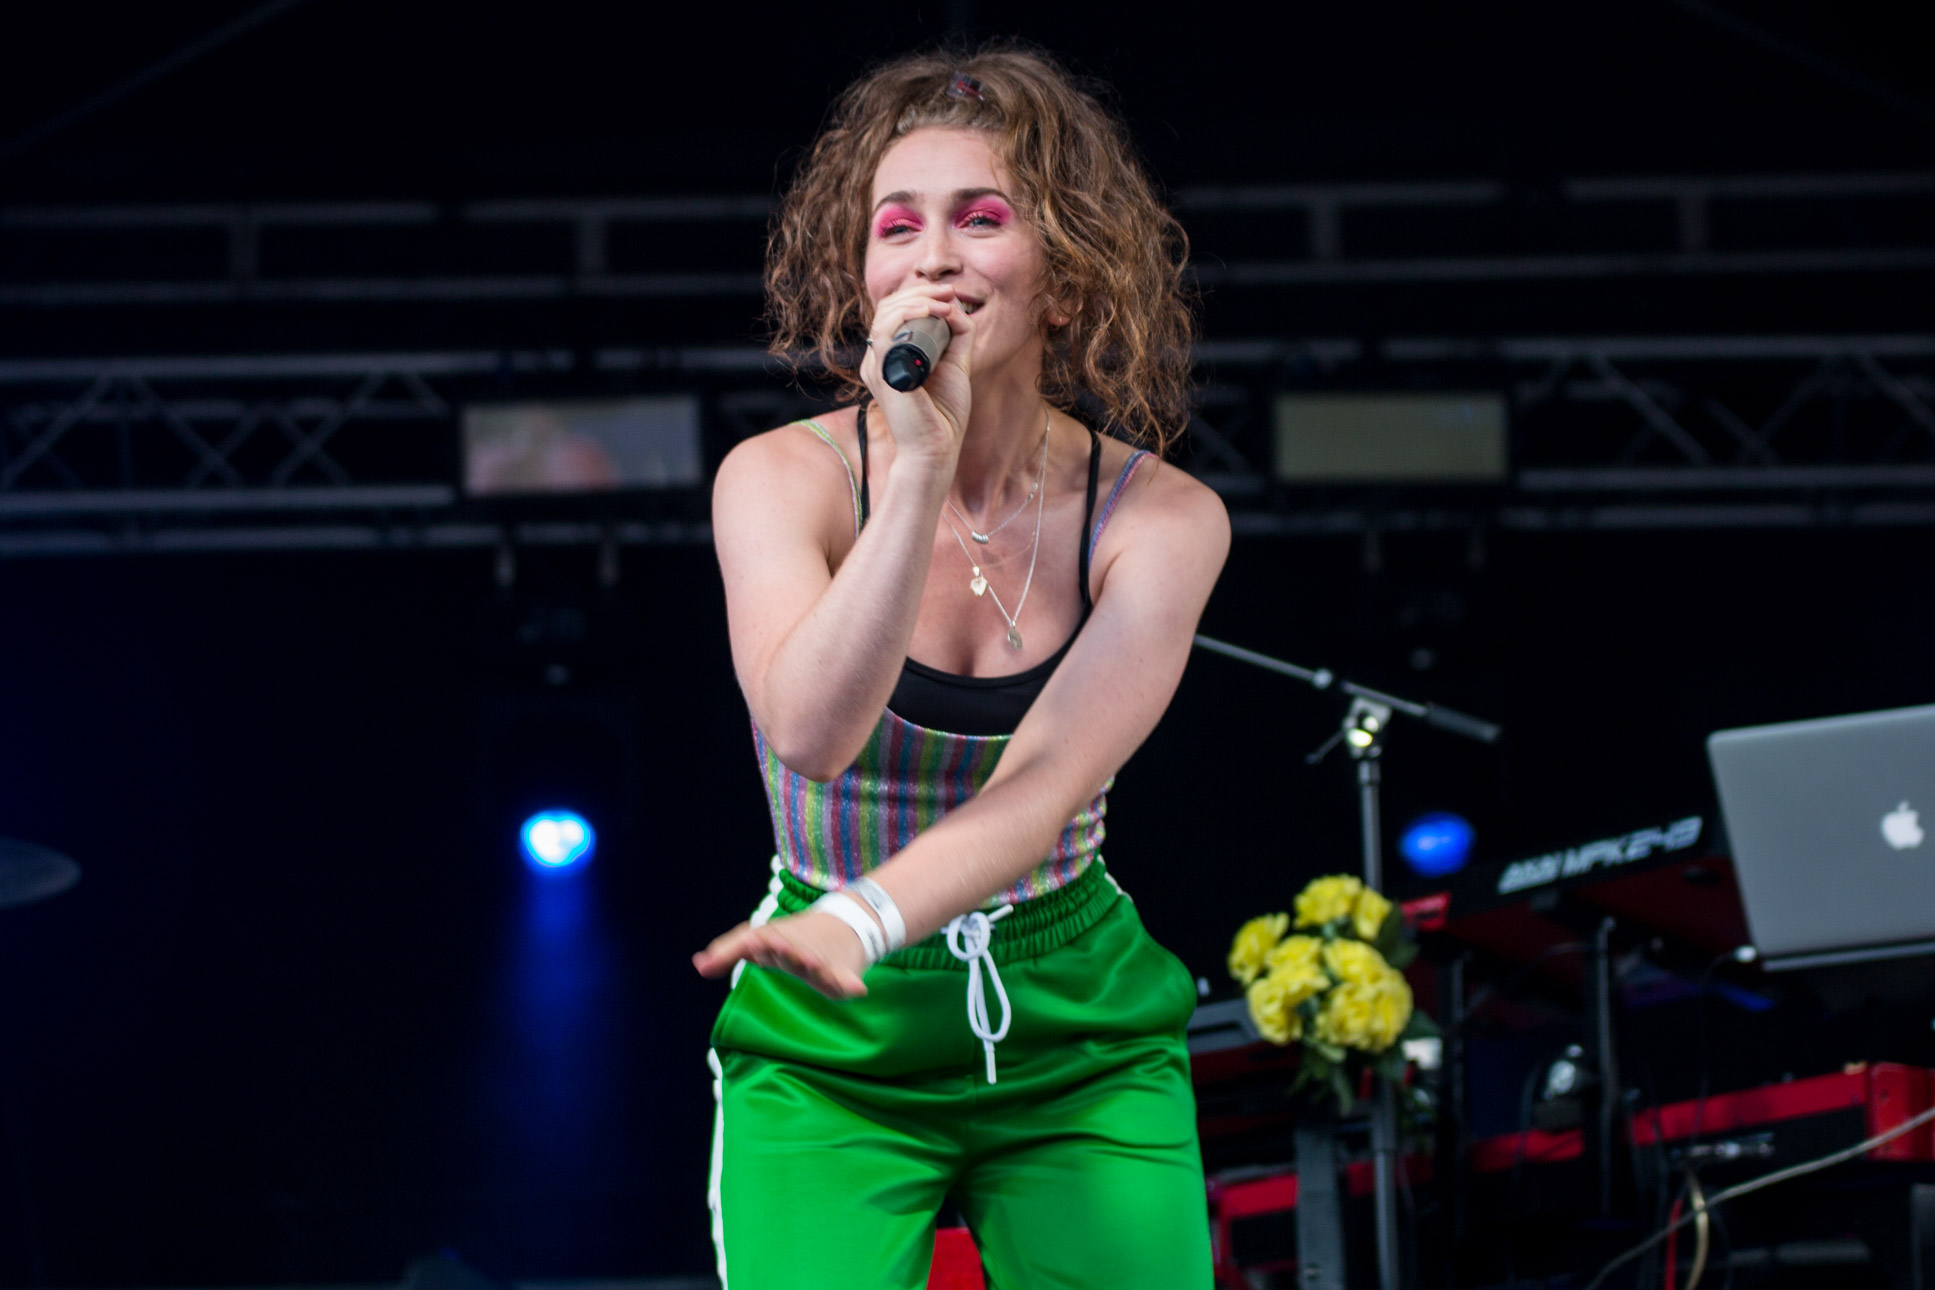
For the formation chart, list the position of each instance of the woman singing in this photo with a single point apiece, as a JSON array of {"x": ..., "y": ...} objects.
[{"x": 955, "y": 612}]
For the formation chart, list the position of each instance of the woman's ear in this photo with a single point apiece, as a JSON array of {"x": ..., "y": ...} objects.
[{"x": 1057, "y": 309}]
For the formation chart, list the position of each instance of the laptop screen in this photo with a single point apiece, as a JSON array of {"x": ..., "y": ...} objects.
[{"x": 1829, "y": 822}]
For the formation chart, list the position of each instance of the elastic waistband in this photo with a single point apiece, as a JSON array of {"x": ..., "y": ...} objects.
[{"x": 1033, "y": 928}]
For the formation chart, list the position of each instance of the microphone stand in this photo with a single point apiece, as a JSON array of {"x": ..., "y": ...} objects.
[{"x": 1362, "y": 732}]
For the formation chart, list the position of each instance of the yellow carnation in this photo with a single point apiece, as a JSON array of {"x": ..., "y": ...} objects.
[
  {"x": 1326, "y": 899},
  {"x": 1354, "y": 961},
  {"x": 1390, "y": 1011},
  {"x": 1367, "y": 1015},
  {"x": 1254, "y": 941},
  {"x": 1274, "y": 1010},
  {"x": 1296, "y": 951},
  {"x": 1369, "y": 914},
  {"x": 1344, "y": 1018},
  {"x": 1297, "y": 965}
]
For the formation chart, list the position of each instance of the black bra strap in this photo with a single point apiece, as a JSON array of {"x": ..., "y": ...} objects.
[
  {"x": 1088, "y": 510},
  {"x": 1088, "y": 513},
  {"x": 866, "y": 499}
]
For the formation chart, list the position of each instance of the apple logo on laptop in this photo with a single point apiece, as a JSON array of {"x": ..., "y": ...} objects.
[{"x": 1902, "y": 827}]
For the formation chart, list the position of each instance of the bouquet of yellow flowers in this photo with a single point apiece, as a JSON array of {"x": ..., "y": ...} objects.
[{"x": 1334, "y": 983}]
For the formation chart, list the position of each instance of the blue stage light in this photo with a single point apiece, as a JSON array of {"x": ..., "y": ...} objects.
[
  {"x": 1437, "y": 844},
  {"x": 558, "y": 839}
]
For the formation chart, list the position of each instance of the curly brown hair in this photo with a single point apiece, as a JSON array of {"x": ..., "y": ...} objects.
[{"x": 1114, "y": 253}]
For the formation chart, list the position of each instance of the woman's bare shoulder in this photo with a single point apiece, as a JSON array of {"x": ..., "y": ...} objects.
[
  {"x": 794, "y": 457},
  {"x": 1162, "y": 520},
  {"x": 788, "y": 480},
  {"x": 1159, "y": 493},
  {"x": 796, "y": 443}
]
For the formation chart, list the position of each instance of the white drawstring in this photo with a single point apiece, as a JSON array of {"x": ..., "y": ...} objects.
[{"x": 967, "y": 940}]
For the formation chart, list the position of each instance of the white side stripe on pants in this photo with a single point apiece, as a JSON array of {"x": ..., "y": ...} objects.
[
  {"x": 714, "y": 1201},
  {"x": 712, "y": 1198}
]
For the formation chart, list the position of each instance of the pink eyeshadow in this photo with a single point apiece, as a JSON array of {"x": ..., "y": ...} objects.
[
  {"x": 894, "y": 215},
  {"x": 992, "y": 209}
]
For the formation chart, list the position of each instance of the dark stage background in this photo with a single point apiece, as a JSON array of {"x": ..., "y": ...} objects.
[
  {"x": 308, "y": 1015},
  {"x": 302, "y": 1019}
]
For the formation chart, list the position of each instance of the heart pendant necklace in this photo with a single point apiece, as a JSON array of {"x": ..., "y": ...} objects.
[{"x": 978, "y": 584}]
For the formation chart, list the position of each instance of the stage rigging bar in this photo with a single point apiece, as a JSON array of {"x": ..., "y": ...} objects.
[{"x": 1708, "y": 455}]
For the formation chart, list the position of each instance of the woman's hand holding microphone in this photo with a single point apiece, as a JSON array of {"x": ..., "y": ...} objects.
[{"x": 927, "y": 422}]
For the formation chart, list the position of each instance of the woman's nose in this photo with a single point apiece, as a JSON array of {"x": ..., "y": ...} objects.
[{"x": 937, "y": 256}]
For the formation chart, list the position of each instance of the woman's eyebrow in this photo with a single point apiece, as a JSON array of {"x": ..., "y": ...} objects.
[{"x": 961, "y": 196}]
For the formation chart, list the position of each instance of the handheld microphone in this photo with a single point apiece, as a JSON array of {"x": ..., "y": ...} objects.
[{"x": 913, "y": 352}]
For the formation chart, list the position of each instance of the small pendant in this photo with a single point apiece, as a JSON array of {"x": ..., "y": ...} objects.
[
  {"x": 982, "y": 538},
  {"x": 977, "y": 584},
  {"x": 1014, "y": 636}
]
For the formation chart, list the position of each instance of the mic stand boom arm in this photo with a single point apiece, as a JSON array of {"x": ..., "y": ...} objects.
[{"x": 1431, "y": 714}]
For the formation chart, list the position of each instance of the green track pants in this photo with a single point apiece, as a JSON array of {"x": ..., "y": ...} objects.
[{"x": 844, "y": 1127}]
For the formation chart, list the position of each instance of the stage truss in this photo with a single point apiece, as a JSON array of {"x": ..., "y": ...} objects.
[
  {"x": 68, "y": 258},
  {"x": 361, "y": 451}
]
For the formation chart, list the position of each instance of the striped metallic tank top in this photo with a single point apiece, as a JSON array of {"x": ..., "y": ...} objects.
[{"x": 908, "y": 776}]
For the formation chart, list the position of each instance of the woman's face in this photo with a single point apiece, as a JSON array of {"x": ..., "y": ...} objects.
[{"x": 942, "y": 214}]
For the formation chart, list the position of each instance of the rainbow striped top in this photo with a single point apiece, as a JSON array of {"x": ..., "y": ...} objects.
[{"x": 905, "y": 778}]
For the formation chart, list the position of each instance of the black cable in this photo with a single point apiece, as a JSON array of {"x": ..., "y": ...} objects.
[
  {"x": 1685, "y": 1193},
  {"x": 1644, "y": 1279},
  {"x": 1694, "y": 1197},
  {"x": 1662, "y": 1205},
  {"x": 1726, "y": 1239},
  {"x": 1518, "y": 1163},
  {"x": 1702, "y": 990}
]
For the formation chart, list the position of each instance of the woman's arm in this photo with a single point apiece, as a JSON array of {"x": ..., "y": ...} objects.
[
  {"x": 817, "y": 652},
  {"x": 1161, "y": 556}
]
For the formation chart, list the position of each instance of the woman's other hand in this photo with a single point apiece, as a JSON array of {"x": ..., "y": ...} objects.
[{"x": 819, "y": 949}]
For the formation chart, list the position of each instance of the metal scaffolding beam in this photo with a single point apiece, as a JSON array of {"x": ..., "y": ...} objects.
[
  {"x": 360, "y": 451},
  {"x": 561, "y": 249}
]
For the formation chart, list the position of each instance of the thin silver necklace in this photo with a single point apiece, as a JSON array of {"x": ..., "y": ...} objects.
[
  {"x": 978, "y": 584},
  {"x": 1041, "y": 473}
]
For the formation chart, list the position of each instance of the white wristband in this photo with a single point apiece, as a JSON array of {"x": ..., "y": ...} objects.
[
  {"x": 883, "y": 905},
  {"x": 849, "y": 911}
]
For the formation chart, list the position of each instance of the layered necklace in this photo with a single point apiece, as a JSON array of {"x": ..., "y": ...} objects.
[{"x": 978, "y": 584}]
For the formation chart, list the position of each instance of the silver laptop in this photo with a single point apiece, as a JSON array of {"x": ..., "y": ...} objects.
[{"x": 1830, "y": 823}]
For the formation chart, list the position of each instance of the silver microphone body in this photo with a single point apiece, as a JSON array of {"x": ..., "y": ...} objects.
[{"x": 913, "y": 353}]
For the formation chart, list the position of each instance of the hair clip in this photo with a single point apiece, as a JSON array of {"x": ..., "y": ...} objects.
[{"x": 963, "y": 86}]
